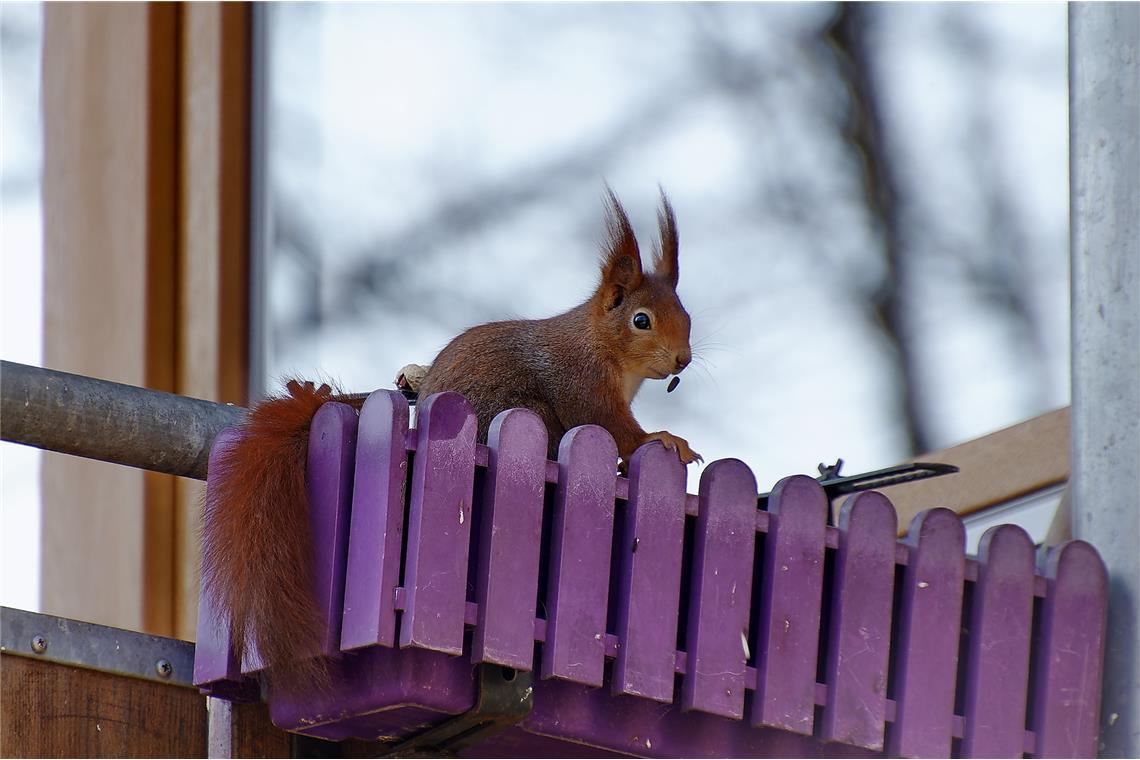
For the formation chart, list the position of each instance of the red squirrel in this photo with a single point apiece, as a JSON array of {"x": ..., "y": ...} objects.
[{"x": 581, "y": 367}]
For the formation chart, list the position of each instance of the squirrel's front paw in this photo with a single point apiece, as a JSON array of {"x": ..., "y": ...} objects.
[{"x": 675, "y": 443}]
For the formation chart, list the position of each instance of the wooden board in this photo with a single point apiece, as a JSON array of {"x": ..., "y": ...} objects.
[
  {"x": 146, "y": 207},
  {"x": 214, "y": 248},
  {"x": 109, "y": 207},
  {"x": 53, "y": 710},
  {"x": 1013, "y": 462}
]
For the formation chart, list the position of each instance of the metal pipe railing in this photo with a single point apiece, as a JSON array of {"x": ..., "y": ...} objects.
[{"x": 108, "y": 421}]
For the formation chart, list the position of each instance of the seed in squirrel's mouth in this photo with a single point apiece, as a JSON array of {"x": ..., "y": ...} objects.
[{"x": 673, "y": 384}]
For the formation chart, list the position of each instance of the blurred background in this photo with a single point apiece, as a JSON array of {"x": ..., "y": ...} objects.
[{"x": 872, "y": 202}]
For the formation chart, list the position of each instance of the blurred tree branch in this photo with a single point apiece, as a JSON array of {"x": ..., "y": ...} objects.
[
  {"x": 848, "y": 34},
  {"x": 380, "y": 272}
]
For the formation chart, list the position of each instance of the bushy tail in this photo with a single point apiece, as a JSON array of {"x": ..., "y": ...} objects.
[{"x": 257, "y": 561}]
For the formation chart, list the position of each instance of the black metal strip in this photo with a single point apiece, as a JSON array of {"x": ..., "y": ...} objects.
[
  {"x": 505, "y": 698},
  {"x": 96, "y": 647},
  {"x": 835, "y": 486}
]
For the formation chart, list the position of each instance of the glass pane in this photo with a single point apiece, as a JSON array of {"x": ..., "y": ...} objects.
[
  {"x": 21, "y": 251},
  {"x": 872, "y": 203}
]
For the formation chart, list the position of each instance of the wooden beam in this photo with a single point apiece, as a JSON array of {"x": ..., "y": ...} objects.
[
  {"x": 146, "y": 202},
  {"x": 109, "y": 203},
  {"x": 214, "y": 275},
  {"x": 54, "y": 710},
  {"x": 995, "y": 468}
]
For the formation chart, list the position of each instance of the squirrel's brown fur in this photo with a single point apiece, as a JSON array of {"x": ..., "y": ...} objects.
[
  {"x": 583, "y": 366},
  {"x": 580, "y": 367}
]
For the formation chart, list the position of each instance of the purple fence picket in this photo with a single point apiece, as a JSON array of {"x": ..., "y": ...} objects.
[
  {"x": 578, "y": 586},
  {"x": 377, "y": 524},
  {"x": 510, "y": 538},
  {"x": 859, "y": 641},
  {"x": 215, "y": 661},
  {"x": 439, "y": 525},
  {"x": 357, "y": 478},
  {"x": 717, "y": 630},
  {"x": 930, "y": 617},
  {"x": 1001, "y": 621},
  {"x": 787, "y": 622},
  {"x": 649, "y": 586},
  {"x": 332, "y": 456},
  {"x": 1071, "y": 651}
]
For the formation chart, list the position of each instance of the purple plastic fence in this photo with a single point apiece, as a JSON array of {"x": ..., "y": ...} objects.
[
  {"x": 746, "y": 633},
  {"x": 855, "y": 711},
  {"x": 578, "y": 590}
]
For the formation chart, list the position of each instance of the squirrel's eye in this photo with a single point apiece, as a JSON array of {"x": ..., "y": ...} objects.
[{"x": 641, "y": 320}]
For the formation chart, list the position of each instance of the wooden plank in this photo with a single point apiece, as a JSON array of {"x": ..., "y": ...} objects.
[
  {"x": 215, "y": 173},
  {"x": 439, "y": 525},
  {"x": 859, "y": 644},
  {"x": 213, "y": 261},
  {"x": 649, "y": 587},
  {"x": 376, "y": 533},
  {"x": 54, "y": 710},
  {"x": 110, "y": 232},
  {"x": 1001, "y": 622},
  {"x": 721, "y": 590},
  {"x": 255, "y": 736},
  {"x": 145, "y": 206},
  {"x": 787, "y": 621},
  {"x": 1071, "y": 652},
  {"x": 995, "y": 468},
  {"x": 159, "y": 575},
  {"x": 506, "y": 585},
  {"x": 581, "y": 541},
  {"x": 930, "y": 617}
]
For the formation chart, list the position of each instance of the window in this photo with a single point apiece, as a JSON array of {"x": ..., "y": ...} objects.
[{"x": 21, "y": 242}]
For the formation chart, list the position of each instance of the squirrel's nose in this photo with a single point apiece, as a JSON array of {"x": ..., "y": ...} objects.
[{"x": 683, "y": 360}]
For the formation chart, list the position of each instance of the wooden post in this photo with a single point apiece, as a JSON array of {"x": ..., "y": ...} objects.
[{"x": 145, "y": 205}]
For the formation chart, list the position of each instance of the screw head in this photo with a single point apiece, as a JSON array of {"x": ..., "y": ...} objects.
[
  {"x": 39, "y": 644},
  {"x": 163, "y": 668}
]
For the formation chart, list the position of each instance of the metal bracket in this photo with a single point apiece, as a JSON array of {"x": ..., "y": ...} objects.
[
  {"x": 836, "y": 485},
  {"x": 96, "y": 647},
  {"x": 505, "y": 697}
]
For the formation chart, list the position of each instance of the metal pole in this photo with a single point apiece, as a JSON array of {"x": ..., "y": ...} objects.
[
  {"x": 112, "y": 422},
  {"x": 219, "y": 728},
  {"x": 1104, "y": 123}
]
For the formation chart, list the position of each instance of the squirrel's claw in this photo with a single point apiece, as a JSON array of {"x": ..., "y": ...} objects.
[{"x": 675, "y": 443}]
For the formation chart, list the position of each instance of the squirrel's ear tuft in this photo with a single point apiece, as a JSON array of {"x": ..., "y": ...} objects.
[
  {"x": 621, "y": 265},
  {"x": 665, "y": 263}
]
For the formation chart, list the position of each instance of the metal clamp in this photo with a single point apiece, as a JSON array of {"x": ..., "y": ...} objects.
[
  {"x": 505, "y": 697},
  {"x": 836, "y": 485},
  {"x": 96, "y": 647}
]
